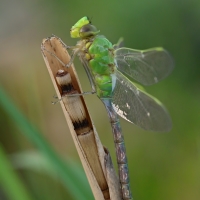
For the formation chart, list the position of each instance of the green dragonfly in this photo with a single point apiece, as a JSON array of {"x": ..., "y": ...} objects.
[{"x": 111, "y": 70}]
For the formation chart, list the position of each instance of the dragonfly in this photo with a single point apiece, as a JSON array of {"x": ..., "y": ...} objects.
[{"x": 112, "y": 71}]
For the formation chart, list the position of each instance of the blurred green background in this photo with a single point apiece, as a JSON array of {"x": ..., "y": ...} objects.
[{"x": 162, "y": 166}]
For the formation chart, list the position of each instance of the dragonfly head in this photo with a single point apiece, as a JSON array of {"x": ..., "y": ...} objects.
[{"x": 83, "y": 29}]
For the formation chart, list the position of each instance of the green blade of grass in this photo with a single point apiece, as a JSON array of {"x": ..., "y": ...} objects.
[
  {"x": 9, "y": 180},
  {"x": 75, "y": 185}
]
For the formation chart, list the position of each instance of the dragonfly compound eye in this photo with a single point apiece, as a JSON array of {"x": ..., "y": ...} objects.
[{"x": 88, "y": 30}]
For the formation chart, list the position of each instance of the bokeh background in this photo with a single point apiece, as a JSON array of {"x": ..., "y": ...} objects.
[{"x": 162, "y": 166}]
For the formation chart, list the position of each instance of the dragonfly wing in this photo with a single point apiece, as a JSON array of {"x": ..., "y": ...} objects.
[
  {"x": 119, "y": 44},
  {"x": 138, "y": 107},
  {"x": 147, "y": 67}
]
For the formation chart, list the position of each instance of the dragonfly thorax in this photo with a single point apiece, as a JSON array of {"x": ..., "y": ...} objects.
[{"x": 96, "y": 53}]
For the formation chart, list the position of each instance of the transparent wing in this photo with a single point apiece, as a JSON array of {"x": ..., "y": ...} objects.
[
  {"x": 147, "y": 67},
  {"x": 138, "y": 107},
  {"x": 119, "y": 44}
]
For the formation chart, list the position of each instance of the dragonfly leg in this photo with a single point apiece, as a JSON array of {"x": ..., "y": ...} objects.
[
  {"x": 88, "y": 75},
  {"x": 53, "y": 54},
  {"x": 73, "y": 55},
  {"x": 63, "y": 44}
]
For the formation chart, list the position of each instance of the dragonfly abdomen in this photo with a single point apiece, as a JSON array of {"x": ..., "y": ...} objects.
[{"x": 120, "y": 150}]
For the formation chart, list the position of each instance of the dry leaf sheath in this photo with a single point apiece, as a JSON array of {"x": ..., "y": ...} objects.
[{"x": 96, "y": 161}]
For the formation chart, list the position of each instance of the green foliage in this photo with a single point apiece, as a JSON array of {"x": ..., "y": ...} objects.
[
  {"x": 9, "y": 181},
  {"x": 69, "y": 175}
]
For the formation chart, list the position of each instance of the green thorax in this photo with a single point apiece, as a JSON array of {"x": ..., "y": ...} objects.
[{"x": 101, "y": 63}]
